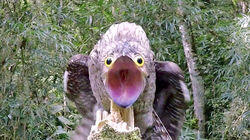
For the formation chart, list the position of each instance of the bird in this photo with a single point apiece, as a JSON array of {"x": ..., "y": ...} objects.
[{"x": 122, "y": 68}]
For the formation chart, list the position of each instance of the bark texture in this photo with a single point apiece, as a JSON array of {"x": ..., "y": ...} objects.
[{"x": 197, "y": 82}]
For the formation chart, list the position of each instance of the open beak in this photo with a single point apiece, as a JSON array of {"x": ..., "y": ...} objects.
[{"x": 125, "y": 82}]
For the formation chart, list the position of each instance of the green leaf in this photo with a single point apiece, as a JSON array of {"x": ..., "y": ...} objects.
[
  {"x": 64, "y": 120},
  {"x": 56, "y": 108}
]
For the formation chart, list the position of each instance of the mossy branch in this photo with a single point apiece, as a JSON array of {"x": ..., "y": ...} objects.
[{"x": 108, "y": 132}]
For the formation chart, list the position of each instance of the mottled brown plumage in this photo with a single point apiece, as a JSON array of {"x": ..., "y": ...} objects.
[{"x": 163, "y": 88}]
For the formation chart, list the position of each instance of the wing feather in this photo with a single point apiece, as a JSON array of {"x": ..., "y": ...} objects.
[
  {"x": 77, "y": 84},
  {"x": 78, "y": 89},
  {"x": 170, "y": 99}
]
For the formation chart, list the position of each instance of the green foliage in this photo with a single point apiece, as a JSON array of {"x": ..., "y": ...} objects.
[
  {"x": 223, "y": 61},
  {"x": 37, "y": 39},
  {"x": 34, "y": 50}
]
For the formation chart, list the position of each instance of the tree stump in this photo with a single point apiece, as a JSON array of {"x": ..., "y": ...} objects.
[{"x": 118, "y": 125}]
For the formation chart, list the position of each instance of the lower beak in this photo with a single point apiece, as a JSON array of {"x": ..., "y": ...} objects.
[{"x": 125, "y": 82}]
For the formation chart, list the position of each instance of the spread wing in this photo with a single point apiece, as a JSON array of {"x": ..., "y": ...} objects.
[
  {"x": 170, "y": 101},
  {"x": 78, "y": 89}
]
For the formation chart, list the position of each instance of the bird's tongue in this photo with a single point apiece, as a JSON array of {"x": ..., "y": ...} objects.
[{"x": 124, "y": 82}]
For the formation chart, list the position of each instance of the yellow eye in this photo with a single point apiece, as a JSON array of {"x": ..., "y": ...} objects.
[
  {"x": 108, "y": 61},
  {"x": 139, "y": 61}
]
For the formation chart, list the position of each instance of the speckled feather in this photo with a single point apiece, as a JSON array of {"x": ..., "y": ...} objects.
[
  {"x": 119, "y": 39},
  {"x": 78, "y": 89},
  {"x": 163, "y": 90}
]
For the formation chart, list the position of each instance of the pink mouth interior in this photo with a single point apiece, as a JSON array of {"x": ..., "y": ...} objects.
[{"x": 124, "y": 82}]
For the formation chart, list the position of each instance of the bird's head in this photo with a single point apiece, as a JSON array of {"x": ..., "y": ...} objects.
[
  {"x": 124, "y": 59},
  {"x": 124, "y": 78}
]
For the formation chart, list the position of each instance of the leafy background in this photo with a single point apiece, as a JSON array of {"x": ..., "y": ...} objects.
[{"x": 38, "y": 37}]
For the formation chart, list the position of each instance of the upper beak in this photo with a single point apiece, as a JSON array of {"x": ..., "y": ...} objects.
[{"x": 125, "y": 82}]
